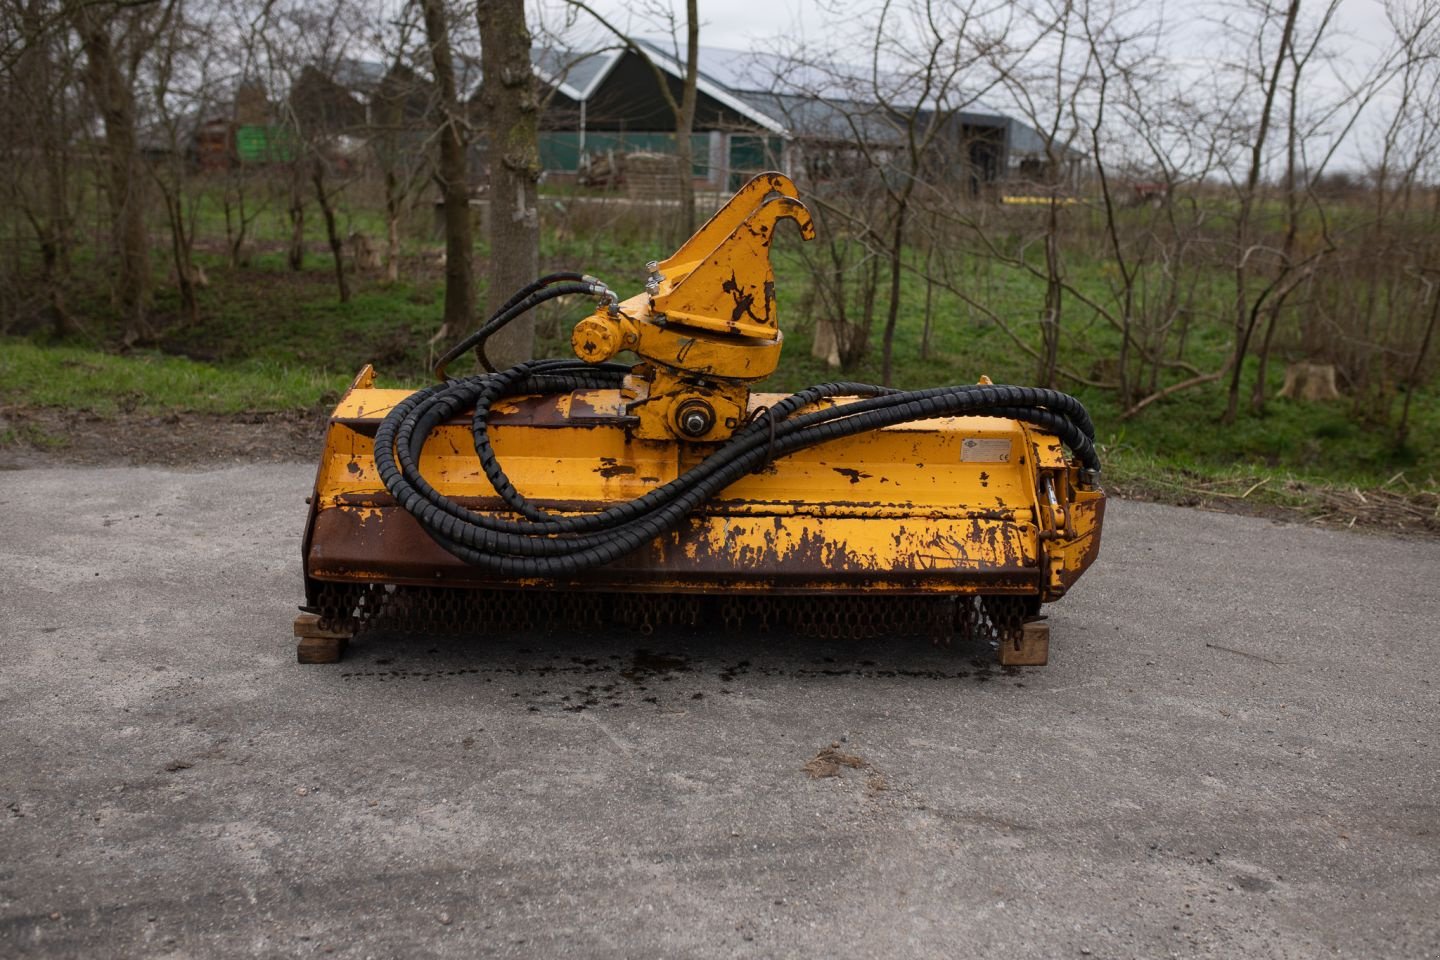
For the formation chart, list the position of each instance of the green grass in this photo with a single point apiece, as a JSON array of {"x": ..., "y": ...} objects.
[
  {"x": 104, "y": 384},
  {"x": 271, "y": 339},
  {"x": 1321, "y": 442}
]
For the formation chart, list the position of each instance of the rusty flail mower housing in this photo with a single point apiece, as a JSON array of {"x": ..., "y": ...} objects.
[{"x": 576, "y": 493}]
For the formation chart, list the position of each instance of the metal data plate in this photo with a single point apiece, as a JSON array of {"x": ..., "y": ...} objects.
[{"x": 985, "y": 450}]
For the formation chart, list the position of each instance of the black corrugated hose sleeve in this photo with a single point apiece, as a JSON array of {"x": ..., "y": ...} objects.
[
  {"x": 523, "y": 300},
  {"x": 541, "y": 544}
]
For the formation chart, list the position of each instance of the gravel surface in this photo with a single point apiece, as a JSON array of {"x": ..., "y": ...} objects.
[{"x": 1233, "y": 753}]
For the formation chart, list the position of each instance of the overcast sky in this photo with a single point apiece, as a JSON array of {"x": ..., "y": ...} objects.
[
  {"x": 1360, "y": 30},
  {"x": 734, "y": 23}
]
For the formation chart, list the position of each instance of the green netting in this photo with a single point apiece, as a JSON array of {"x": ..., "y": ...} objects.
[
  {"x": 255, "y": 144},
  {"x": 560, "y": 149}
]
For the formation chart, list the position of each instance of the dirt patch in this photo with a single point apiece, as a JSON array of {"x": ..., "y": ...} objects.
[
  {"x": 829, "y": 761},
  {"x": 1400, "y": 508},
  {"x": 37, "y": 437}
]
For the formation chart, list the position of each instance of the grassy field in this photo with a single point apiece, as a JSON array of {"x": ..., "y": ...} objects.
[{"x": 274, "y": 340}]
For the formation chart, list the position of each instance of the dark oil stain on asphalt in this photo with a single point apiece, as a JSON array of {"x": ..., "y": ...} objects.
[{"x": 655, "y": 678}]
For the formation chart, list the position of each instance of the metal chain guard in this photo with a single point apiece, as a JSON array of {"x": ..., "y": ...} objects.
[{"x": 358, "y": 608}]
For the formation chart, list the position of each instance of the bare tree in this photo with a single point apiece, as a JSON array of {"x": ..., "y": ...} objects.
[
  {"x": 1048, "y": 100},
  {"x": 325, "y": 195},
  {"x": 901, "y": 120},
  {"x": 1246, "y": 315},
  {"x": 1420, "y": 98},
  {"x": 241, "y": 184},
  {"x": 115, "y": 38},
  {"x": 1384, "y": 332},
  {"x": 401, "y": 123},
  {"x": 1266, "y": 272},
  {"x": 452, "y": 173},
  {"x": 39, "y": 120},
  {"x": 511, "y": 105},
  {"x": 241, "y": 204},
  {"x": 308, "y": 51},
  {"x": 1103, "y": 86},
  {"x": 1176, "y": 142},
  {"x": 682, "y": 107},
  {"x": 179, "y": 104}
]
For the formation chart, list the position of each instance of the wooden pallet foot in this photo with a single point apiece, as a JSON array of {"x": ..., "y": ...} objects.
[
  {"x": 316, "y": 645},
  {"x": 1032, "y": 648}
]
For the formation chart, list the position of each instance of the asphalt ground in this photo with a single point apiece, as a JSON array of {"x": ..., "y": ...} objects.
[{"x": 1233, "y": 753}]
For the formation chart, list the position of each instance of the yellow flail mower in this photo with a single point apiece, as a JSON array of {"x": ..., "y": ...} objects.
[{"x": 575, "y": 494}]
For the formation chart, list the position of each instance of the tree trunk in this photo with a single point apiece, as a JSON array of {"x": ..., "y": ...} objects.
[
  {"x": 929, "y": 312},
  {"x": 115, "y": 99},
  {"x": 235, "y": 237},
  {"x": 685, "y": 120},
  {"x": 392, "y": 228},
  {"x": 511, "y": 115},
  {"x": 295, "y": 255},
  {"x": 332, "y": 231},
  {"x": 1402, "y": 432},
  {"x": 36, "y": 84},
  {"x": 54, "y": 138},
  {"x": 1262, "y": 365},
  {"x": 857, "y": 345},
  {"x": 1055, "y": 303},
  {"x": 453, "y": 174},
  {"x": 1246, "y": 316},
  {"x": 181, "y": 242},
  {"x": 230, "y": 244},
  {"x": 65, "y": 324},
  {"x": 892, "y": 314},
  {"x": 1292, "y": 230}
]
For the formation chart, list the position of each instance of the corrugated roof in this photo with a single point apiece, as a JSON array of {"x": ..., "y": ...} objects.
[
  {"x": 792, "y": 96},
  {"x": 709, "y": 86},
  {"x": 575, "y": 73},
  {"x": 1027, "y": 140}
]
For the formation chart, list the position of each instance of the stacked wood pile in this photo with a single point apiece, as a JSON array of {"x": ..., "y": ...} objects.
[{"x": 645, "y": 176}]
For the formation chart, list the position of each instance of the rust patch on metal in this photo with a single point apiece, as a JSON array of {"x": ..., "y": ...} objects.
[
  {"x": 1079, "y": 562},
  {"x": 387, "y": 545},
  {"x": 583, "y": 407}
]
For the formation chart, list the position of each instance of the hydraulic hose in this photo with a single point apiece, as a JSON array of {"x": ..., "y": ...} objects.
[
  {"x": 543, "y": 544},
  {"x": 527, "y": 298}
]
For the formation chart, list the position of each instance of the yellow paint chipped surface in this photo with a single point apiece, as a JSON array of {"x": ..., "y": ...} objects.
[{"x": 900, "y": 505}]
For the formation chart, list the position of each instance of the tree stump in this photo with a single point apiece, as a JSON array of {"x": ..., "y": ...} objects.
[
  {"x": 1310, "y": 382},
  {"x": 827, "y": 342},
  {"x": 367, "y": 255}
]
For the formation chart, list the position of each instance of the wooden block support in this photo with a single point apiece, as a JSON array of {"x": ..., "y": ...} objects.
[
  {"x": 1033, "y": 649},
  {"x": 315, "y": 644}
]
